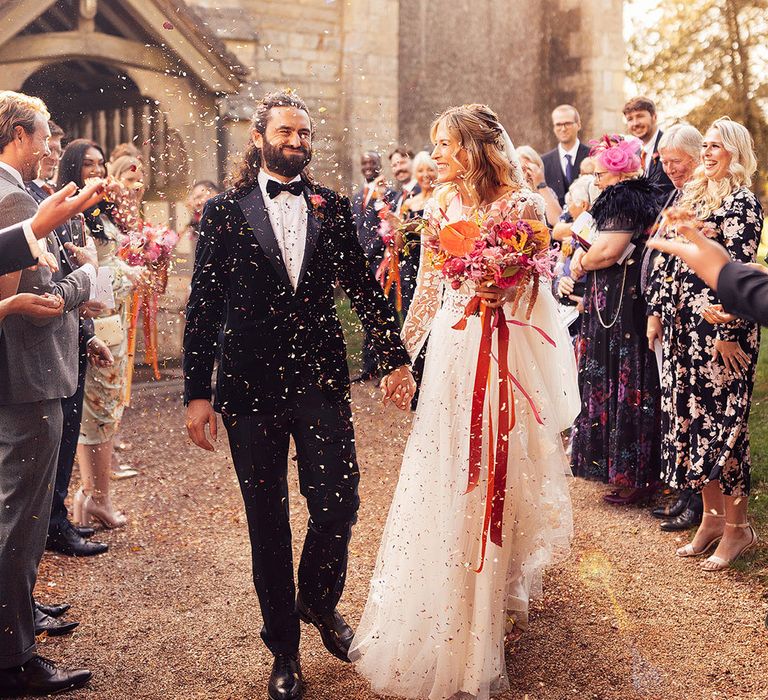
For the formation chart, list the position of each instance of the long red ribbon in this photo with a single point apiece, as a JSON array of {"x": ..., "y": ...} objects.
[{"x": 498, "y": 458}]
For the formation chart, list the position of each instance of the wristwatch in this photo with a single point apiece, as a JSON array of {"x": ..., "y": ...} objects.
[{"x": 541, "y": 186}]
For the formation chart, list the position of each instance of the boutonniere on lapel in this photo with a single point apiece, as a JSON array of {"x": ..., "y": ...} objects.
[
  {"x": 655, "y": 157},
  {"x": 318, "y": 206}
]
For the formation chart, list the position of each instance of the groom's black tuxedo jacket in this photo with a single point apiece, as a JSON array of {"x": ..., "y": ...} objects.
[{"x": 276, "y": 339}]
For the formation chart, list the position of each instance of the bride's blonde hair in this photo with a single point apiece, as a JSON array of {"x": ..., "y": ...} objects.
[
  {"x": 697, "y": 194},
  {"x": 479, "y": 132}
]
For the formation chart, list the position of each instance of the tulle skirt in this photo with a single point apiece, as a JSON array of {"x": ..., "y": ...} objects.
[{"x": 432, "y": 627}]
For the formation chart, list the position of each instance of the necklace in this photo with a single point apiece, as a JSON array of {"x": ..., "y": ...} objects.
[{"x": 621, "y": 299}]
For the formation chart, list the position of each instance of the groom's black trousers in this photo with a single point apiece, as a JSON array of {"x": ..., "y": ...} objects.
[{"x": 328, "y": 477}]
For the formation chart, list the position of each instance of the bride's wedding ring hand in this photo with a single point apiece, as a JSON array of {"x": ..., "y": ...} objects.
[{"x": 493, "y": 297}]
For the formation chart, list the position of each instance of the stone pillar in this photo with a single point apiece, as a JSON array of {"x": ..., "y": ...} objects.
[{"x": 369, "y": 79}]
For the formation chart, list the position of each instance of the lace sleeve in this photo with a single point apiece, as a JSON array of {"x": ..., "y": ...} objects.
[{"x": 425, "y": 304}]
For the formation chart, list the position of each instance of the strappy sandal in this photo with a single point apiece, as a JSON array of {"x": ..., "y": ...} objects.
[
  {"x": 719, "y": 563},
  {"x": 689, "y": 551}
]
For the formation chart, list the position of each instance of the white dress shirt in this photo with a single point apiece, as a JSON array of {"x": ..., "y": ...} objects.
[
  {"x": 648, "y": 150},
  {"x": 572, "y": 153},
  {"x": 288, "y": 216}
]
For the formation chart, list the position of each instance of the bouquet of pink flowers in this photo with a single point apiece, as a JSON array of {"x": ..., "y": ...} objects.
[
  {"x": 497, "y": 249},
  {"x": 148, "y": 244}
]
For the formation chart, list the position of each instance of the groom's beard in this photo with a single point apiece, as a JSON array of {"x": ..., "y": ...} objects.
[{"x": 288, "y": 162}]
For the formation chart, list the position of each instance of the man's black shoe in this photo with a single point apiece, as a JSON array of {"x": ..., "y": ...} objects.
[
  {"x": 53, "y": 610},
  {"x": 52, "y": 626},
  {"x": 335, "y": 633},
  {"x": 286, "y": 681},
  {"x": 672, "y": 511},
  {"x": 39, "y": 676},
  {"x": 362, "y": 377},
  {"x": 687, "y": 519},
  {"x": 85, "y": 531},
  {"x": 66, "y": 540}
]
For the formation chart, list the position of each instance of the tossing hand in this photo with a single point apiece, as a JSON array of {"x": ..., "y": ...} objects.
[
  {"x": 82, "y": 255},
  {"x": 34, "y": 305},
  {"x": 92, "y": 309},
  {"x": 704, "y": 256},
  {"x": 398, "y": 387},
  {"x": 715, "y": 314},
  {"x": 99, "y": 353},
  {"x": 62, "y": 206},
  {"x": 199, "y": 414}
]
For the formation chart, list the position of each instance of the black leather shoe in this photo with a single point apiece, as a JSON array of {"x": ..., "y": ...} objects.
[
  {"x": 335, "y": 633},
  {"x": 672, "y": 511},
  {"x": 66, "y": 540},
  {"x": 687, "y": 519},
  {"x": 53, "y": 610},
  {"x": 362, "y": 377},
  {"x": 51, "y": 625},
  {"x": 85, "y": 532},
  {"x": 39, "y": 676},
  {"x": 286, "y": 681}
]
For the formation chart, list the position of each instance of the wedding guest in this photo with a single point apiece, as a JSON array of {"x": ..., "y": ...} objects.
[
  {"x": 104, "y": 386},
  {"x": 562, "y": 163},
  {"x": 366, "y": 204},
  {"x": 63, "y": 537},
  {"x": 718, "y": 361},
  {"x": 533, "y": 169},
  {"x": 741, "y": 287},
  {"x": 199, "y": 194},
  {"x": 401, "y": 162},
  {"x": 37, "y": 368},
  {"x": 643, "y": 123},
  {"x": 126, "y": 149},
  {"x": 617, "y": 433},
  {"x": 674, "y": 321}
]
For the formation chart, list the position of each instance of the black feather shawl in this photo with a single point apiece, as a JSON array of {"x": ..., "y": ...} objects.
[{"x": 629, "y": 205}]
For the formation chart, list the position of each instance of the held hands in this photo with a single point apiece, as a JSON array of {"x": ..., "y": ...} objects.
[
  {"x": 398, "y": 387},
  {"x": 63, "y": 205},
  {"x": 199, "y": 414}
]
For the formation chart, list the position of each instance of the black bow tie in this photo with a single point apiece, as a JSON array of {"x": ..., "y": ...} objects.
[{"x": 274, "y": 188}]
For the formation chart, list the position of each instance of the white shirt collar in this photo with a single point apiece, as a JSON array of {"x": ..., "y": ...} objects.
[
  {"x": 571, "y": 153},
  {"x": 410, "y": 184},
  {"x": 263, "y": 179},
  {"x": 16, "y": 174}
]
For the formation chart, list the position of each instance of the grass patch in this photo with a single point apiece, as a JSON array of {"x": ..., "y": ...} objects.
[{"x": 353, "y": 333}]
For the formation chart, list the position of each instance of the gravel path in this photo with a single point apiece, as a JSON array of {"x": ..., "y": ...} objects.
[{"x": 170, "y": 612}]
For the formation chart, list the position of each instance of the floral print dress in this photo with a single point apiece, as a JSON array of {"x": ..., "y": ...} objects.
[
  {"x": 616, "y": 438},
  {"x": 704, "y": 409}
]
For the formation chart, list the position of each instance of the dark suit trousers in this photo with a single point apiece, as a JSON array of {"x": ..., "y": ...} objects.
[
  {"x": 72, "y": 410},
  {"x": 328, "y": 477},
  {"x": 29, "y": 444}
]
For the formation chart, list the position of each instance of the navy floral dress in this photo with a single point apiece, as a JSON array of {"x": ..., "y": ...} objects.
[
  {"x": 617, "y": 436},
  {"x": 704, "y": 410}
]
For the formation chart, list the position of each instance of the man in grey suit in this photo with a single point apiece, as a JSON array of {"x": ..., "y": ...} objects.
[{"x": 38, "y": 367}]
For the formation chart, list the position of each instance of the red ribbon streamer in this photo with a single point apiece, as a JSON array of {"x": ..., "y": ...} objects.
[{"x": 493, "y": 320}]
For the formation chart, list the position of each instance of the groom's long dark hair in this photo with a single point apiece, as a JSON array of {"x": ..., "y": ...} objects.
[{"x": 246, "y": 173}]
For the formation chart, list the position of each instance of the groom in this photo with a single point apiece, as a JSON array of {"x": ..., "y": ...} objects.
[{"x": 268, "y": 257}]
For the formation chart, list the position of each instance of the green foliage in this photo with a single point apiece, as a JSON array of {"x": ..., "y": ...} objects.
[{"x": 711, "y": 53}]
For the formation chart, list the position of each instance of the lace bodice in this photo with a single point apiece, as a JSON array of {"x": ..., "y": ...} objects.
[{"x": 431, "y": 293}]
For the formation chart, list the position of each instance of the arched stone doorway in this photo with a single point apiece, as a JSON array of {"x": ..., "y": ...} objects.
[{"x": 100, "y": 102}]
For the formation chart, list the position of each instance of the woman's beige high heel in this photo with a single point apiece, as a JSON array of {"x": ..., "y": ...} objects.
[
  {"x": 77, "y": 508},
  {"x": 109, "y": 519},
  {"x": 689, "y": 551},
  {"x": 718, "y": 563}
]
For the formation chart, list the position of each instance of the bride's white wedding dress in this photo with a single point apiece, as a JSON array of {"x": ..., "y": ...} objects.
[{"x": 432, "y": 627}]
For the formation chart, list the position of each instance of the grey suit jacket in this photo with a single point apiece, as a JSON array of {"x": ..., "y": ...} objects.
[{"x": 38, "y": 359}]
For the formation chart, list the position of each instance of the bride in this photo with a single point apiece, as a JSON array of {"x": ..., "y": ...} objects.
[{"x": 432, "y": 627}]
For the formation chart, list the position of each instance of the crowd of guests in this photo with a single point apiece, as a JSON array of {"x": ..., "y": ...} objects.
[
  {"x": 642, "y": 426},
  {"x": 64, "y": 363},
  {"x": 666, "y": 375}
]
